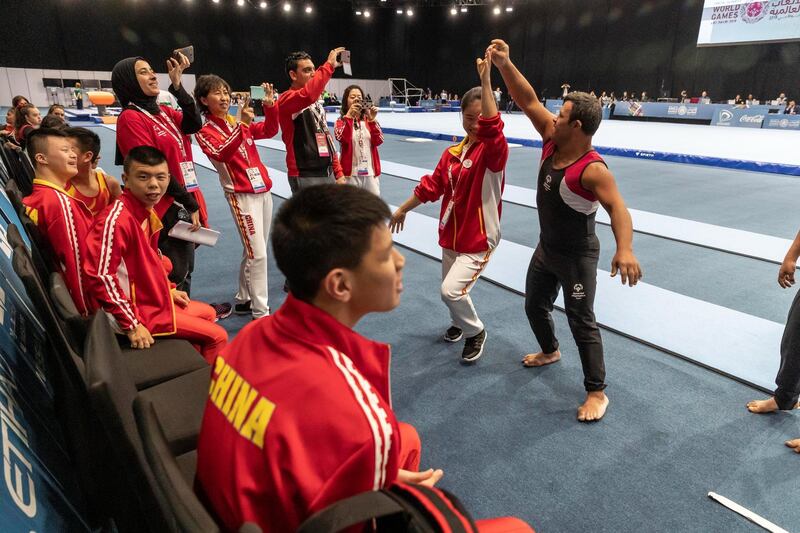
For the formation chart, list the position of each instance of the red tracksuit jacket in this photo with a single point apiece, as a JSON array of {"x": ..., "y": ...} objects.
[
  {"x": 344, "y": 134},
  {"x": 478, "y": 178},
  {"x": 134, "y": 129},
  {"x": 298, "y": 417},
  {"x": 232, "y": 150},
  {"x": 298, "y": 128},
  {"x": 125, "y": 272},
  {"x": 64, "y": 223}
]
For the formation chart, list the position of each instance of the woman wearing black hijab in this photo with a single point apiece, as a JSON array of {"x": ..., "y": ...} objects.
[{"x": 144, "y": 123}]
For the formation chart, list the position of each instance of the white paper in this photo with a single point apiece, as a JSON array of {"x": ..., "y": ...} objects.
[{"x": 182, "y": 230}]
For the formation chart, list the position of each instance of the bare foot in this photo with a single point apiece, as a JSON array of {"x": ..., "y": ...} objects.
[
  {"x": 540, "y": 359},
  {"x": 594, "y": 407},
  {"x": 763, "y": 406},
  {"x": 794, "y": 444}
]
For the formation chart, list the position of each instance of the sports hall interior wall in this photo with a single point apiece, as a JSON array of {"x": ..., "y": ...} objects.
[{"x": 615, "y": 45}]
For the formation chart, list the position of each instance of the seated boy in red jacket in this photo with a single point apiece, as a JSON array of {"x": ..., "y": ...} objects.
[
  {"x": 62, "y": 220},
  {"x": 299, "y": 412},
  {"x": 125, "y": 269}
]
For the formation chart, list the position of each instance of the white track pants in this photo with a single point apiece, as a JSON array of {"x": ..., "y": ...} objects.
[
  {"x": 369, "y": 183},
  {"x": 459, "y": 274},
  {"x": 252, "y": 214}
]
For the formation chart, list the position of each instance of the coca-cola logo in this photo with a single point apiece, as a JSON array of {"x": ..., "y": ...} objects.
[
  {"x": 751, "y": 118},
  {"x": 752, "y": 12}
]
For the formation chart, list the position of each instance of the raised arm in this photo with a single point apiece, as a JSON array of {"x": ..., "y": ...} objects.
[{"x": 521, "y": 91}]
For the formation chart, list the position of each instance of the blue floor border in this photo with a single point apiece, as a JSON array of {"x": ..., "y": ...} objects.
[{"x": 734, "y": 164}]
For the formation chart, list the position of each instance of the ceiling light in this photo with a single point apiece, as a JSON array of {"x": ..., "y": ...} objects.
[
  {"x": 309, "y": 9},
  {"x": 287, "y": 6},
  {"x": 358, "y": 13},
  {"x": 453, "y": 11},
  {"x": 215, "y": 1},
  {"x": 263, "y": 5},
  {"x": 509, "y": 9},
  {"x": 463, "y": 9},
  {"x": 496, "y": 10},
  {"x": 410, "y": 12},
  {"x": 240, "y": 3},
  {"x": 367, "y": 14},
  {"x": 399, "y": 11}
]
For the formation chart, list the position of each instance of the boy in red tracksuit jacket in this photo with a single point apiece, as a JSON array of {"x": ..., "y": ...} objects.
[
  {"x": 126, "y": 272},
  {"x": 299, "y": 412},
  {"x": 469, "y": 178},
  {"x": 230, "y": 146},
  {"x": 311, "y": 157},
  {"x": 62, "y": 220}
]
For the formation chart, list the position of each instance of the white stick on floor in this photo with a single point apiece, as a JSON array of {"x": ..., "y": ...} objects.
[{"x": 750, "y": 515}]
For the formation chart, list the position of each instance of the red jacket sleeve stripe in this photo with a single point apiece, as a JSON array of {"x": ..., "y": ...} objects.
[{"x": 119, "y": 303}]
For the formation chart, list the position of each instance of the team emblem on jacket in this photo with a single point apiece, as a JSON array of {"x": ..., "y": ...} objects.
[
  {"x": 577, "y": 292},
  {"x": 249, "y": 142},
  {"x": 467, "y": 163},
  {"x": 547, "y": 182}
]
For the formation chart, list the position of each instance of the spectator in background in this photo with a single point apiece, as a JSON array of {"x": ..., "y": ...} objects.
[
  {"x": 750, "y": 100},
  {"x": 625, "y": 96},
  {"x": 19, "y": 100},
  {"x": 565, "y": 89},
  {"x": 27, "y": 119},
  {"x": 644, "y": 97},
  {"x": 93, "y": 187},
  {"x": 781, "y": 99},
  {"x": 53, "y": 121},
  {"x": 78, "y": 94},
  {"x": 738, "y": 100},
  {"x": 8, "y": 129},
  {"x": 443, "y": 96},
  {"x": 498, "y": 95},
  {"x": 791, "y": 108},
  {"x": 58, "y": 111},
  {"x": 359, "y": 136},
  {"x": 684, "y": 96}
]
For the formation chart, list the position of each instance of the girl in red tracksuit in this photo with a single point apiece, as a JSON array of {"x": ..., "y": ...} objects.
[
  {"x": 145, "y": 123},
  {"x": 469, "y": 178},
  {"x": 230, "y": 146},
  {"x": 359, "y": 136}
]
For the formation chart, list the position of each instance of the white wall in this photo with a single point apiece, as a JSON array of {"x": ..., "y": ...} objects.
[
  {"x": 374, "y": 88},
  {"x": 28, "y": 82}
]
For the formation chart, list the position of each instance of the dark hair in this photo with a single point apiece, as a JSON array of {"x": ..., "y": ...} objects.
[
  {"x": 17, "y": 99},
  {"x": 53, "y": 108},
  {"x": 88, "y": 140},
  {"x": 37, "y": 141},
  {"x": 321, "y": 228},
  {"x": 144, "y": 155},
  {"x": 345, "y": 104},
  {"x": 52, "y": 121},
  {"x": 204, "y": 85},
  {"x": 470, "y": 96},
  {"x": 292, "y": 60},
  {"x": 21, "y": 114},
  {"x": 587, "y": 109}
]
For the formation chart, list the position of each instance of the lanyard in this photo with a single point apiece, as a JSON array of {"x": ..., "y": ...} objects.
[
  {"x": 242, "y": 148},
  {"x": 453, "y": 187},
  {"x": 169, "y": 126}
]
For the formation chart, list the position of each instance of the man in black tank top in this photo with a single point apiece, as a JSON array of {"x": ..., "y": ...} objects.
[{"x": 573, "y": 182}]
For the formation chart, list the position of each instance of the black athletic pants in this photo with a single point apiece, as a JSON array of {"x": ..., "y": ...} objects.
[
  {"x": 788, "y": 380},
  {"x": 548, "y": 271}
]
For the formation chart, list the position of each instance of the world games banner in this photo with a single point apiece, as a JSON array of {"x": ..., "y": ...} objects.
[{"x": 748, "y": 22}]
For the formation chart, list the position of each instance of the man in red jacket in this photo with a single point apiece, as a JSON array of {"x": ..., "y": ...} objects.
[
  {"x": 299, "y": 412},
  {"x": 126, "y": 271},
  {"x": 311, "y": 157},
  {"x": 62, "y": 220}
]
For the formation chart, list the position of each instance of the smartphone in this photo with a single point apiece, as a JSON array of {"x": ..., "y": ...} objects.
[
  {"x": 344, "y": 59},
  {"x": 188, "y": 51},
  {"x": 257, "y": 92}
]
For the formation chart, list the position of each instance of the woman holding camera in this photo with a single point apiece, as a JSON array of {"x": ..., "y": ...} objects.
[{"x": 359, "y": 136}]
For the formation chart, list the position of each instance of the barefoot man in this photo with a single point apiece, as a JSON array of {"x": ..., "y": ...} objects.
[
  {"x": 788, "y": 380},
  {"x": 573, "y": 182}
]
